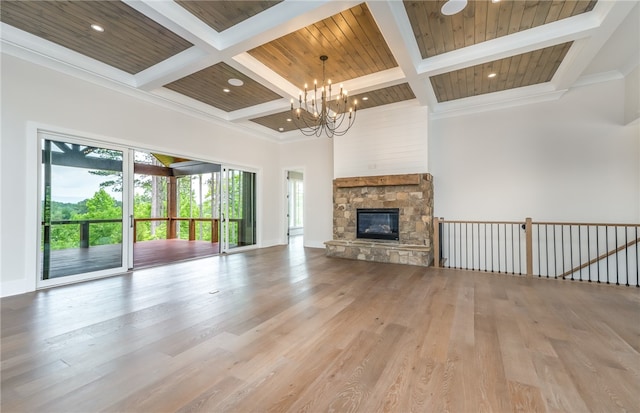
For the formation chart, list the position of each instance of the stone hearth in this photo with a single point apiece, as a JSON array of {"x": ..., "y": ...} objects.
[{"x": 412, "y": 194}]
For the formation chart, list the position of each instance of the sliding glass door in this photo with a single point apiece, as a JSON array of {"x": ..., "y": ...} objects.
[
  {"x": 87, "y": 222},
  {"x": 83, "y": 210},
  {"x": 238, "y": 209}
]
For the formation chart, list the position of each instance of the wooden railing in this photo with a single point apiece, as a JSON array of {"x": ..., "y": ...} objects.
[
  {"x": 84, "y": 226},
  {"x": 607, "y": 253},
  {"x": 85, "y": 229},
  {"x": 171, "y": 220}
]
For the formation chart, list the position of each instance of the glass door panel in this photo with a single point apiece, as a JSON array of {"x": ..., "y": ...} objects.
[
  {"x": 82, "y": 210},
  {"x": 176, "y": 209},
  {"x": 239, "y": 209}
]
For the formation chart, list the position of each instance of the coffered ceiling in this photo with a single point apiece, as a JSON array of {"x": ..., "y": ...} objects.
[{"x": 242, "y": 61}]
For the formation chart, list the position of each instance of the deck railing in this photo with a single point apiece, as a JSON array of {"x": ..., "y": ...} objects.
[
  {"x": 84, "y": 226},
  {"x": 192, "y": 226},
  {"x": 602, "y": 253}
]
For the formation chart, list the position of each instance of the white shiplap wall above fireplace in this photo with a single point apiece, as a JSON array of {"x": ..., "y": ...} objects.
[{"x": 387, "y": 140}]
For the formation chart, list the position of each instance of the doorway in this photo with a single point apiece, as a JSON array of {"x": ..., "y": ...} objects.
[
  {"x": 295, "y": 204},
  {"x": 176, "y": 209}
]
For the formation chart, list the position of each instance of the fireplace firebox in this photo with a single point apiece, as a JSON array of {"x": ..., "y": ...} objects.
[{"x": 380, "y": 223}]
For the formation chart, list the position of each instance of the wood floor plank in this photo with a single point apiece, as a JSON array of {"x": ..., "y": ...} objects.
[
  {"x": 286, "y": 329},
  {"x": 525, "y": 398},
  {"x": 593, "y": 382},
  {"x": 556, "y": 387},
  {"x": 357, "y": 389}
]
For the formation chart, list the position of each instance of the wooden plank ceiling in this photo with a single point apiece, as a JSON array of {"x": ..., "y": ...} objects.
[
  {"x": 482, "y": 20},
  {"x": 211, "y": 86},
  {"x": 351, "y": 38},
  {"x": 511, "y": 72},
  {"x": 223, "y": 14},
  {"x": 131, "y": 41}
]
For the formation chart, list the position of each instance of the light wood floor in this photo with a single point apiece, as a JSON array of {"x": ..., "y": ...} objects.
[{"x": 287, "y": 329}]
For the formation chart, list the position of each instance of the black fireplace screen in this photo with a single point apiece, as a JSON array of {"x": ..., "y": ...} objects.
[{"x": 378, "y": 223}]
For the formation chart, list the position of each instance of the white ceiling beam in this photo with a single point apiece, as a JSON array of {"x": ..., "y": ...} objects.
[
  {"x": 257, "y": 111},
  {"x": 373, "y": 81},
  {"x": 395, "y": 27},
  {"x": 178, "y": 19},
  {"x": 253, "y": 68},
  {"x": 263, "y": 74},
  {"x": 539, "y": 37},
  {"x": 582, "y": 53},
  {"x": 176, "y": 67},
  {"x": 277, "y": 21},
  {"x": 212, "y": 47}
]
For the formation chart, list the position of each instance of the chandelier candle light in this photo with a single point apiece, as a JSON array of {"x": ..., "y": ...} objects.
[{"x": 324, "y": 113}]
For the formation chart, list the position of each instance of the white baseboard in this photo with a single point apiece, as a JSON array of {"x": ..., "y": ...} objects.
[
  {"x": 270, "y": 243},
  {"x": 314, "y": 244}
]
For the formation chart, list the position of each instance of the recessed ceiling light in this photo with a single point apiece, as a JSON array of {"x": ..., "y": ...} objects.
[
  {"x": 235, "y": 82},
  {"x": 225, "y": 90},
  {"x": 453, "y": 7},
  {"x": 280, "y": 129},
  {"x": 365, "y": 98},
  {"x": 97, "y": 28},
  {"x": 288, "y": 119},
  {"x": 491, "y": 75},
  {"x": 495, "y": 1}
]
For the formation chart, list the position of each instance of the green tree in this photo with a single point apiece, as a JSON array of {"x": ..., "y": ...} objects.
[{"x": 103, "y": 206}]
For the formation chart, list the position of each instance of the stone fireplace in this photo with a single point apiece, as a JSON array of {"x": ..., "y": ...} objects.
[{"x": 373, "y": 197}]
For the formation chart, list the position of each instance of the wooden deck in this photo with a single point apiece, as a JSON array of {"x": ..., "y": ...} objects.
[
  {"x": 145, "y": 254},
  {"x": 288, "y": 329},
  {"x": 164, "y": 251}
]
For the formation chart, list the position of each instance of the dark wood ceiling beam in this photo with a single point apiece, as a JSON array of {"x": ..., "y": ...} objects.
[
  {"x": 78, "y": 160},
  {"x": 153, "y": 170}
]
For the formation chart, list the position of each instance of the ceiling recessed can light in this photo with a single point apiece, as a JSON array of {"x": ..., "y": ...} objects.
[
  {"x": 491, "y": 75},
  {"x": 225, "y": 90},
  {"x": 453, "y": 7},
  {"x": 280, "y": 129},
  {"x": 97, "y": 28},
  {"x": 288, "y": 119},
  {"x": 235, "y": 82},
  {"x": 365, "y": 98}
]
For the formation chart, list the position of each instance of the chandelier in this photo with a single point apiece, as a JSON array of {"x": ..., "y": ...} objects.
[{"x": 319, "y": 111}]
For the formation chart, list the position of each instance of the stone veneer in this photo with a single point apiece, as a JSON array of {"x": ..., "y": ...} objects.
[{"x": 412, "y": 194}]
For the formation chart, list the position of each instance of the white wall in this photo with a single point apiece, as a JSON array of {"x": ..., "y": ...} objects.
[
  {"x": 568, "y": 160},
  {"x": 314, "y": 158},
  {"x": 632, "y": 96},
  {"x": 385, "y": 140},
  {"x": 31, "y": 93}
]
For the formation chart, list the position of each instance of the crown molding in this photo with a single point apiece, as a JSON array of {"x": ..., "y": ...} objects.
[{"x": 497, "y": 101}]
